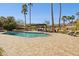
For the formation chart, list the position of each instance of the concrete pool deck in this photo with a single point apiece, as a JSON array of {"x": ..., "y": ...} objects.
[{"x": 55, "y": 44}]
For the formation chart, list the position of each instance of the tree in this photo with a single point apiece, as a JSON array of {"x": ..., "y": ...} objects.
[
  {"x": 9, "y": 23},
  {"x": 2, "y": 20},
  {"x": 64, "y": 18},
  {"x": 60, "y": 16},
  {"x": 24, "y": 11},
  {"x": 1, "y": 24},
  {"x": 20, "y": 22},
  {"x": 52, "y": 17},
  {"x": 72, "y": 18},
  {"x": 77, "y": 15},
  {"x": 68, "y": 18},
  {"x": 30, "y": 5},
  {"x": 47, "y": 23}
]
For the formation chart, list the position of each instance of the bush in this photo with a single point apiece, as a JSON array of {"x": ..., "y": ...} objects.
[
  {"x": 64, "y": 32},
  {"x": 2, "y": 21},
  {"x": 9, "y": 24},
  {"x": 77, "y": 24},
  {"x": 74, "y": 29},
  {"x": 1, "y": 51}
]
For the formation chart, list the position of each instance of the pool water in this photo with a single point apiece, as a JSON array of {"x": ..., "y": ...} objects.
[{"x": 27, "y": 34}]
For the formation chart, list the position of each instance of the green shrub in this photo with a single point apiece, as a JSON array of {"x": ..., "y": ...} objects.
[
  {"x": 77, "y": 24},
  {"x": 1, "y": 51},
  {"x": 9, "y": 24},
  {"x": 74, "y": 29}
]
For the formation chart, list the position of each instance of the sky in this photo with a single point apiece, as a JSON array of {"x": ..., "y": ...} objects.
[{"x": 40, "y": 11}]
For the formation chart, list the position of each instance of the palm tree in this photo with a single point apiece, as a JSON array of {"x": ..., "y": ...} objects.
[
  {"x": 24, "y": 11},
  {"x": 52, "y": 16},
  {"x": 60, "y": 16},
  {"x": 30, "y": 5}
]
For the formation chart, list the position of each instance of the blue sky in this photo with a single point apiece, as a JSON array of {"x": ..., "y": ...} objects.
[{"x": 40, "y": 12}]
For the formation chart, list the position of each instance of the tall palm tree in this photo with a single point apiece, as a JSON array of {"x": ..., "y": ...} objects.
[
  {"x": 24, "y": 11},
  {"x": 52, "y": 17},
  {"x": 30, "y": 5},
  {"x": 60, "y": 16}
]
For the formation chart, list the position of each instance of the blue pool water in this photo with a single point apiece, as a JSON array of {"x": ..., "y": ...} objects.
[{"x": 27, "y": 34}]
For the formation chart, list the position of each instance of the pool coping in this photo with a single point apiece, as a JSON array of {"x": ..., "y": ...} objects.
[{"x": 28, "y": 37}]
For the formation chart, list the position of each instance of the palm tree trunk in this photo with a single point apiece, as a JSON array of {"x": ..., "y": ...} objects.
[
  {"x": 52, "y": 16},
  {"x": 25, "y": 20},
  {"x": 30, "y": 14},
  {"x": 60, "y": 16}
]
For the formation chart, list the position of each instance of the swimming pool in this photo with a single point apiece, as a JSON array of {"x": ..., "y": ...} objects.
[{"x": 27, "y": 34}]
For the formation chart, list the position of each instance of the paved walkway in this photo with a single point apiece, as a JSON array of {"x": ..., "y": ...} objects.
[{"x": 55, "y": 44}]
